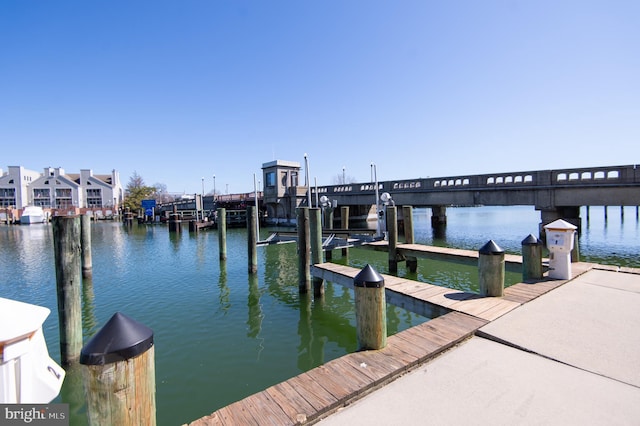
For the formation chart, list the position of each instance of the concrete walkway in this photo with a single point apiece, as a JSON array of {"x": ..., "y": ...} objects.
[{"x": 569, "y": 357}]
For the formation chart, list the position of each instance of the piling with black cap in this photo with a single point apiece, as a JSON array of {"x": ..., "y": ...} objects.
[
  {"x": 491, "y": 270},
  {"x": 119, "y": 374},
  {"x": 531, "y": 259},
  {"x": 371, "y": 309}
]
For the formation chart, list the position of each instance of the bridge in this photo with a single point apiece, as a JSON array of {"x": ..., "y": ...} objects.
[{"x": 555, "y": 193}]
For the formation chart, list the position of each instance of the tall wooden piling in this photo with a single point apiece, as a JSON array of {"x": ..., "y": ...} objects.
[
  {"x": 407, "y": 217},
  {"x": 252, "y": 240},
  {"x": 119, "y": 374},
  {"x": 85, "y": 244},
  {"x": 222, "y": 233},
  {"x": 315, "y": 236},
  {"x": 328, "y": 223},
  {"x": 531, "y": 259},
  {"x": 392, "y": 233},
  {"x": 491, "y": 270},
  {"x": 304, "y": 250},
  {"x": 371, "y": 309},
  {"x": 67, "y": 253}
]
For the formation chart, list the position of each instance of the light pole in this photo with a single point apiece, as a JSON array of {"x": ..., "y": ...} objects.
[
  {"x": 374, "y": 172},
  {"x": 214, "y": 187},
  {"x": 344, "y": 178},
  {"x": 306, "y": 172},
  {"x": 202, "y": 201}
]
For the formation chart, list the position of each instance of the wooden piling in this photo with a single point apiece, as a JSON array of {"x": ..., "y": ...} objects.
[
  {"x": 315, "y": 236},
  {"x": 252, "y": 240},
  {"x": 304, "y": 250},
  {"x": 531, "y": 259},
  {"x": 407, "y": 216},
  {"x": 119, "y": 374},
  {"x": 392, "y": 233},
  {"x": 85, "y": 244},
  {"x": 174, "y": 220},
  {"x": 193, "y": 226},
  {"x": 491, "y": 270},
  {"x": 371, "y": 309},
  {"x": 67, "y": 253},
  {"x": 222, "y": 233}
]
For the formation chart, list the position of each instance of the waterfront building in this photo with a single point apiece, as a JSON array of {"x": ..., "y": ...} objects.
[{"x": 57, "y": 191}]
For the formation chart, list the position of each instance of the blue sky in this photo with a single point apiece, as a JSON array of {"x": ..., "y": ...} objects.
[{"x": 180, "y": 90}]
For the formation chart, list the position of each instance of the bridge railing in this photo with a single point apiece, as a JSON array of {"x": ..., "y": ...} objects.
[{"x": 588, "y": 176}]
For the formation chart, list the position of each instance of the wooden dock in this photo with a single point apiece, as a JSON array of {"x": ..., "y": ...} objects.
[
  {"x": 310, "y": 396},
  {"x": 420, "y": 251}
]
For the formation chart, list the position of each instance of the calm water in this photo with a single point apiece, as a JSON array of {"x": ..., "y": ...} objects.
[{"x": 221, "y": 334}]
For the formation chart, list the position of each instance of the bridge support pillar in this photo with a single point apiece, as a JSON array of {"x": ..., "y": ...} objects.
[{"x": 438, "y": 216}]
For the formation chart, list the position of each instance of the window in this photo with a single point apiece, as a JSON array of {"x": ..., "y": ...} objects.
[{"x": 270, "y": 179}]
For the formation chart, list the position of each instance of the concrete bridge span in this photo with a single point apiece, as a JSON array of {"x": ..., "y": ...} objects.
[{"x": 556, "y": 193}]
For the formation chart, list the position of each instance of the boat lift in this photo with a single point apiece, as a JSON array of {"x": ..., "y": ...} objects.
[{"x": 331, "y": 239}]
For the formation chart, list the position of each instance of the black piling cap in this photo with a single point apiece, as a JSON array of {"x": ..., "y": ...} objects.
[
  {"x": 491, "y": 248},
  {"x": 531, "y": 240},
  {"x": 368, "y": 277},
  {"x": 120, "y": 339}
]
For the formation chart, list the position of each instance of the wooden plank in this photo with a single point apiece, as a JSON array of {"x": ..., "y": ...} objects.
[
  {"x": 291, "y": 402},
  {"x": 235, "y": 414},
  {"x": 339, "y": 368},
  {"x": 316, "y": 395},
  {"x": 265, "y": 410}
]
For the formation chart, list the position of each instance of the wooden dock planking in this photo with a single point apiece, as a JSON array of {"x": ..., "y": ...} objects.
[
  {"x": 315, "y": 393},
  {"x": 291, "y": 402},
  {"x": 312, "y": 395}
]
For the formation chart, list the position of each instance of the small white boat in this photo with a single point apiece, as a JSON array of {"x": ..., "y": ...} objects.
[{"x": 32, "y": 214}]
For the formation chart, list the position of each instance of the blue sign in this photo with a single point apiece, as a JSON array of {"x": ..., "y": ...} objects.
[
  {"x": 148, "y": 212},
  {"x": 148, "y": 204}
]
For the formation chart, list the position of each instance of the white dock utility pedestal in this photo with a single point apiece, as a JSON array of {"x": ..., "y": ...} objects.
[
  {"x": 560, "y": 237},
  {"x": 27, "y": 373}
]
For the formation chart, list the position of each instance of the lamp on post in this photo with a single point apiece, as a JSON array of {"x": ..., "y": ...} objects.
[
  {"x": 344, "y": 177},
  {"x": 202, "y": 201},
  {"x": 214, "y": 187}
]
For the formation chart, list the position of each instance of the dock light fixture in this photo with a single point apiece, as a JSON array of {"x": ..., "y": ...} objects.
[{"x": 386, "y": 199}]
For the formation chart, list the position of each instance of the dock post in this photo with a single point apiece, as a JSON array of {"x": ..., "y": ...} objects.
[
  {"x": 193, "y": 226},
  {"x": 222, "y": 232},
  {"x": 119, "y": 374},
  {"x": 371, "y": 309},
  {"x": 67, "y": 248},
  {"x": 407, "y": 215},
  {"x": 315, "y": 227},
  {"x": 85, "y": 244},
  {"x": 344, "y": 224},
  {"x": 531, "y": 259},
  {"x": 252, "y": 240},
  {"x": 174, "y": 220},
  {"x": 392, "y": 230},
  {"x": 491, "y": 270},
  {"x": 304, "y": 250}
]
